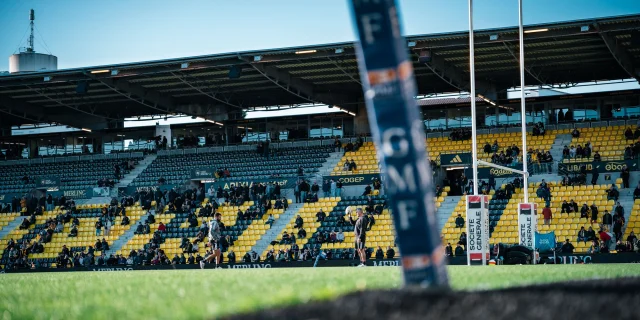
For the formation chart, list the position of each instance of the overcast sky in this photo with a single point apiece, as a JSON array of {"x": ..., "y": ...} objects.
[{"x": 90, "y": 33}]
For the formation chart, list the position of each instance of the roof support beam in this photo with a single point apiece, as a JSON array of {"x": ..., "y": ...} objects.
[
  {"x": 37, "y": 114},
  {"x": 300, "y": 87},
  {"x": 620, "y": 54},
  {"x": 459, "y": 79},
  {"x": 286, "y": 81},
  {"x": 149, "y": 98},
  {"x": 529, "y": 70}
]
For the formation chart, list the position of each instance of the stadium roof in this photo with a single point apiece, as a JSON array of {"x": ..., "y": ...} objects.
[{"x": 559, "y": 54}]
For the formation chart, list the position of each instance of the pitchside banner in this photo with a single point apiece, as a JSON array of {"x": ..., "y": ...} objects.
[
  {"x": 203, "y": 173},
  {"x": 454, "y": 159},
  {"x": 602, "y": 166},
  {"x": 527, "y": 224},
  {"x": 133, "y": 190},
  {"x": 484, "y": 172},
  {"x": 354, "y": 179},
  {"x": 47, "y": 182},
  {"x": 477, "y": 228},
  {"x": 226, "y": 185},
  {"x": 398, "y": 132}
]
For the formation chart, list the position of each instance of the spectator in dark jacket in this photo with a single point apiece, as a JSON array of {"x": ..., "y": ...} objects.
[
  {"x": 390, "y": 253},
  {"x": 567, "y": 247},
  {"x": 459, "y": 221}
]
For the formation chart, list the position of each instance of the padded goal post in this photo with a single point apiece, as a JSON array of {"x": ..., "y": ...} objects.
[{"x": 478, "y": 229}]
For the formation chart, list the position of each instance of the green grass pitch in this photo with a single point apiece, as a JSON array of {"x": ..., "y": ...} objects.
[{"x": 206, "y": 294}]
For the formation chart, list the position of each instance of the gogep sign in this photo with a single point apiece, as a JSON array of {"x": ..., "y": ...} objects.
[{"x": 354, "y": 179}]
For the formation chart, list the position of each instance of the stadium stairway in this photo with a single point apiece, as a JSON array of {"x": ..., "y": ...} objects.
[
  {"x": 277, "y": 227},
  {"x": 446, "y": 210},
  {"x": 125, "y": 237},
  {"x": 496, "y": 209},
  {"x": 627, "y": 202},
  {"x": 12, "y": 224},
  {"x": 332, "y": 161},
  {"x": 633, "y": 220},
  {"x": 537, "y": 178},
  {"x": 558, "y": 144},
  {"x": 128, "y": 178}
]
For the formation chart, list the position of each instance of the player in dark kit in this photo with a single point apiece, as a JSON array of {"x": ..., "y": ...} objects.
[
  {"x": 214, "y": 241},
  {"x": 360, "y": 229}
]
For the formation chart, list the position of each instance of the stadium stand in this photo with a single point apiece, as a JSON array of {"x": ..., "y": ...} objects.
[
  {"x": 240, "y": 233},
  {"x": 366, "y": 160},
  {"x": 72, "y": 172},
  {"x": 310, "y": 223},
  {"x": 86, "y": 236},
  {"x": 609, "y": 142},
  {"x": 242, "y": 165}
]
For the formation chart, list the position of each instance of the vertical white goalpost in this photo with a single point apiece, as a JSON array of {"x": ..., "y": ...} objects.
[{"x": 477, "y": 206}]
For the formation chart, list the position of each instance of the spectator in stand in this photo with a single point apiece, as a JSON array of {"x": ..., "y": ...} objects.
[
  {"x": 320, "y": 216},
  {"x": 625, "y": 174},
  {"x": 619, "y": 210},
  {"x": 315, "y": 188},
  {"x": 566, "y": 207},
  {"x": 367, "y": 190},
  {"x": 270, "y": 220},
  {"x": 459, "y": 250},
  {"x": 105, "y": 245},
  {"x": 607, "y": 220},
  {"x": 546, "y": 213},
  {"x": 597, "y": 157},
  {"x": 631, "y": 238},
  {"x": 379, "y": 253},
  {"x": 584, "y": 212},
  {"x": 302, "y": 233},
  {"x": 390, "y": 253},
  {"x": 448, "y": 250},
  {"x": 74, "y": 232},
  {"x": 567, "y": 247},
  {"x": 628, "y": 134},
  {"x": 25, "y": 224},
  {"x": 617, "y": 228},
  {"x": 612, "y": 193},
  {"x": 604, "y": 247},
  {"x": 98, "y": 226},
  {"x": 299, "y": 222},
  {"x": 340, "y": 236},
  {"x": 459, "y": 221},
  {"x": 575, "y": 133},
  {"x": 591, "y": 234},
  {"x": 463, "y": 239},
  {"x": 582, "y": 235},
  {"x": 162, "y": 227},
  {"x": 487, "y": 148},
  {"x": 594, "y": 248}
]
